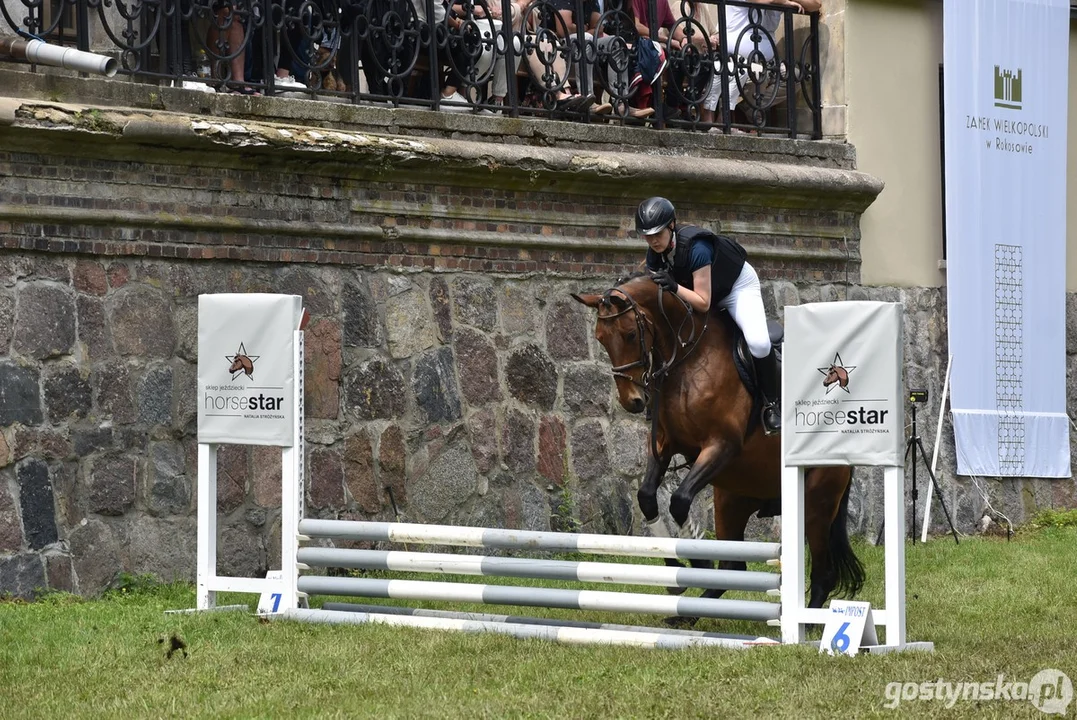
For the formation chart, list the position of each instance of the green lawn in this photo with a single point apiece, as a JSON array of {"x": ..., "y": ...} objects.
[{"x": 990, "y": 606}]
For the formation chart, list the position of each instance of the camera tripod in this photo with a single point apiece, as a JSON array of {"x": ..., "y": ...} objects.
[{"x": 910, "y": 444}]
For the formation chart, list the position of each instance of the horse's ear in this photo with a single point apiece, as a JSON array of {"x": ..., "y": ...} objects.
[
  {"x": 619, "y": 301},
  {"x": 591, "y": 300}
]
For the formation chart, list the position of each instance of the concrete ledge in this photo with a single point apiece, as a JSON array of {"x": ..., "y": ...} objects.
[{"x": 626, "y": 173}]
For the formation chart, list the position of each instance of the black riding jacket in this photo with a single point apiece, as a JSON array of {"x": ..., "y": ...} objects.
[{"x": 728, "y": 260}]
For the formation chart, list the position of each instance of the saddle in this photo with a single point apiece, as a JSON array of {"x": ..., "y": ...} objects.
[{"x": 742, "y": 359}]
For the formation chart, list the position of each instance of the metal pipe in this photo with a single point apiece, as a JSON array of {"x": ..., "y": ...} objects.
[{"x": 41, "y": 53}]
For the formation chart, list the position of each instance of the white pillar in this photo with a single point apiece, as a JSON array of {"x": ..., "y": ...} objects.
[
  {"x": 894, "y": 537},
  {"x": 207, "y": 526}
]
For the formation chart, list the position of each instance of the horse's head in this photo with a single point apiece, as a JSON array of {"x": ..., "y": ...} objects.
[
  {"x": 837, "y": 375},
  {"x": 626, "y": 332},
  {"x": 242, "y": 363}
]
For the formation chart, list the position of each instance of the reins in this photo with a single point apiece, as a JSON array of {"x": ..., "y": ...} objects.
[{"x": 652, "y": 378}]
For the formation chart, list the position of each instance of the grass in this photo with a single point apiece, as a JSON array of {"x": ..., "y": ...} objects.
[{"x": 990, "y": 606}]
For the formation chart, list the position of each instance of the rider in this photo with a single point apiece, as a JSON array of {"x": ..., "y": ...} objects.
[{"x": 708, "y": 272}]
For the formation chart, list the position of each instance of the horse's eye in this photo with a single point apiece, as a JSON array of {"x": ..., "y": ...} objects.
[{"x": 631, "y": 336}]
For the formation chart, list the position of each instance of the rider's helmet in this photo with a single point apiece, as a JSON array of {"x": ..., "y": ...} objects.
[{"x": 653, "y": 214}]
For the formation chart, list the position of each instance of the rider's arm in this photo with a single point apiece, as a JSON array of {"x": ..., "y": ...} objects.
[{"x": 700, "y": 298}]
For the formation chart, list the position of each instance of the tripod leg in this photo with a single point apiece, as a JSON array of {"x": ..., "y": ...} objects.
[{"x": 938, "y": 490}]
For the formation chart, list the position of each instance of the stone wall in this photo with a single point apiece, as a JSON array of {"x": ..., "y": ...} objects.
[{"x": 450, "y": 378}]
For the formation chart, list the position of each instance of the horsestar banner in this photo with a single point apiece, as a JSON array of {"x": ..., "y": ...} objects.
[
  {"x": 1005, "y": 65},
  {"x": 842, "y": 401},
  {"x": 246, "y": 377}
]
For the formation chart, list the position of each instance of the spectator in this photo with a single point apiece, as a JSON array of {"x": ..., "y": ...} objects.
[
  {"x": 550, "y": 24},
  {"x": 739, "y": 34},
  {"x": 227, "y": 40},
  {"x": 668, "y": 33},
  {"x": 490, "y": 30}
]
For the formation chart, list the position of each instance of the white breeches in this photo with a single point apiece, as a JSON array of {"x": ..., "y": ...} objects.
[{"x": 745, "y": 306}]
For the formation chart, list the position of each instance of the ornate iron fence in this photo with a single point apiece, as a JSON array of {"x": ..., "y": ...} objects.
[{"x": 755, "y": 69}]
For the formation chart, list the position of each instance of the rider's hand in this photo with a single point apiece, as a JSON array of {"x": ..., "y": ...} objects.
[{"x": 665, "y": 279}]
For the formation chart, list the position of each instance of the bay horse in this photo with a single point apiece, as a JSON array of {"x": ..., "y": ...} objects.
[{"x": 680, "y": 365}]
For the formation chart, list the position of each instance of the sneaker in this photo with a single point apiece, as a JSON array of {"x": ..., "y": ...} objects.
[
  {"x": 460, "y": 103},
  {"x": 288, "y": 83},
  {"x": 197, "y": 86}
]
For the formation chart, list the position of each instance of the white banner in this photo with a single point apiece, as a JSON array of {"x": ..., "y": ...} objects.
[
  {"x": 842, "y": 401},
  {"x": 1006, "y": 91},
  {"x": 245, "y": 374}
]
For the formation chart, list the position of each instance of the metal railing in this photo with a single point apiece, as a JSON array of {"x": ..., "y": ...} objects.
[{"x": 572, "y": 59}]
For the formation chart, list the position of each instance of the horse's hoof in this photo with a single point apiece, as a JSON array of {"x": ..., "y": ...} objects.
[
  {"x": 679, "y": 621},
  {"x": 676, "y": 590}
]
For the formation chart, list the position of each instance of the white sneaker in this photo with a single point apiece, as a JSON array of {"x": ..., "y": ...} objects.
[
  {"x": 456, "y": 97},
  {"x": 198, "y": 86},
  {"x": 288, "y": 83}
]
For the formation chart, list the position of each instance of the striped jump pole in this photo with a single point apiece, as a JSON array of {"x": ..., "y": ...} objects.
[
  {"x": 541, "y": 597},
  {"x": 526, "y": 620},
  {"x": 540, "y": 569},
  {"x": 562, "y": 634},
  {"x": 499, "y": 539}
]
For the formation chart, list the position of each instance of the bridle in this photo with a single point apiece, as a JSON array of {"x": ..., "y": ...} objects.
[{"x": 652, "y": 378}]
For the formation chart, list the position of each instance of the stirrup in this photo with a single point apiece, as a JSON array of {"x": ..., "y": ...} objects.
[{"x": 769, "y": 428}]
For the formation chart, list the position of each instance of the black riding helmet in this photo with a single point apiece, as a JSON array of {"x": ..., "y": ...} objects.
[{"x": 653, "y": 214}]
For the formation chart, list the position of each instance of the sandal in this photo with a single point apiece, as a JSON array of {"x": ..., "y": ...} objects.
[{"x": 243, "y": 90}]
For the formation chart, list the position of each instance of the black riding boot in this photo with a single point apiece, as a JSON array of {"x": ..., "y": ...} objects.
[{"x": 770, "y": 383}]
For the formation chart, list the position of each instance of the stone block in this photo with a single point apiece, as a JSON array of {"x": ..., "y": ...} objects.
[
  {"x": 532, "y": 377},
  {"x": 628, "y": 441},
  {"x": 41, "y": 442},
  {"x": 587, "y": 390},
  {"x": 37, "y": 504},
  {"x": 266, "y": 475},
  {"x": 89, "y": 277},
  {"x": 20, "y": 400},
  {"x": 392, "y": 462},
  {"x": 318, "y": 300},
  {"x": 374, "y": 390},
  {"x": 141, "y": 320},
  {"x": 323, "y": 365},
  {"x": 448, "y": 481},
  {"x": 326, "y": 479},
  {"x": 474, "y": 303},
  {"x": 94, "y": 333},
  {"x": 568, "y": 327},
  {"x": 7, "y": 321},
  {"x": 22, "y": 576},
  {"x": 59, "y": 574},
  {"x": 112, "y": 393},
  {"x": 168, "y": 547},
  {"x": 434, "y": 386},
  {"x": 68, "y": 394},
  {"x": 590, "y": 453},
  {"x": 518, "y": 441},
  {"x": 46, "y": 321},
  {"x": 95, "y": 555},
  {"x": 241, "y": 552},
  {"x": 410, "y": 324},
  {"x": 232, "y": 473},
  {"x": 476, "y": 362},
  {"x": 482, "y": 431},
  {"x": 110, "y": 485},
  {"x": 362, "y": 324},
  {"x": 518, "y": 306},
  {"x": 440, "y": 303},
  {"x": 169, "y": 485},
  {"x": 551, "y": 449},
  {"x": 10, "y": 525},
  {"x": 359, "y": 472}
]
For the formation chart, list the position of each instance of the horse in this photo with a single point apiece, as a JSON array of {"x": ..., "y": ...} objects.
[{"x": 680, "y": 365}]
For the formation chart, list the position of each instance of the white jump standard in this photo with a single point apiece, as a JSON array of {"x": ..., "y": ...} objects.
[{"x": 229, "y": 319}]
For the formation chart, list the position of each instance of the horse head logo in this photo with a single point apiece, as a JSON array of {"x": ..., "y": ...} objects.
[
  {"x": 241, "y": 363},
  {"x": 836, "y": 374}
]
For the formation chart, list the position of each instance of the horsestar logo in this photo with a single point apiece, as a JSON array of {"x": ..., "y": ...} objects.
[
  {"x": 836, "y": 374},
  {"x": 832, "y": 413},
  {"x": 241, "y": 363}
]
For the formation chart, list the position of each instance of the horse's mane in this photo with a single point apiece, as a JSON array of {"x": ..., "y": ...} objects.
[{"x": 625, "y": 279}]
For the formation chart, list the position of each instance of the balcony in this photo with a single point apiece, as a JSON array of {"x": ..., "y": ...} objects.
[{"x": 569, "y": 60}]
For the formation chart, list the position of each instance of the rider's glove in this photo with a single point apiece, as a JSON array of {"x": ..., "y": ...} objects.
[{"x": 665, "y": 279}]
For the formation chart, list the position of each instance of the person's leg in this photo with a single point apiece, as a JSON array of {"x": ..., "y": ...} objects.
[{"x": 745, "y": 306}]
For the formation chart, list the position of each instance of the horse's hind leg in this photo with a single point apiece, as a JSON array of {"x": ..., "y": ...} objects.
[{"x": 826, "y": 507}]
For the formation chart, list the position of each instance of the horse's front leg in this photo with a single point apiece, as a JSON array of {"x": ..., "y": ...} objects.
[
  {"x": 708, "y": 464},
  {"x": 647, "y": 496}
]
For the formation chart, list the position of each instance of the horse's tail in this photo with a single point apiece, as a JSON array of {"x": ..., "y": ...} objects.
[{"x": 846, "y": 565}]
